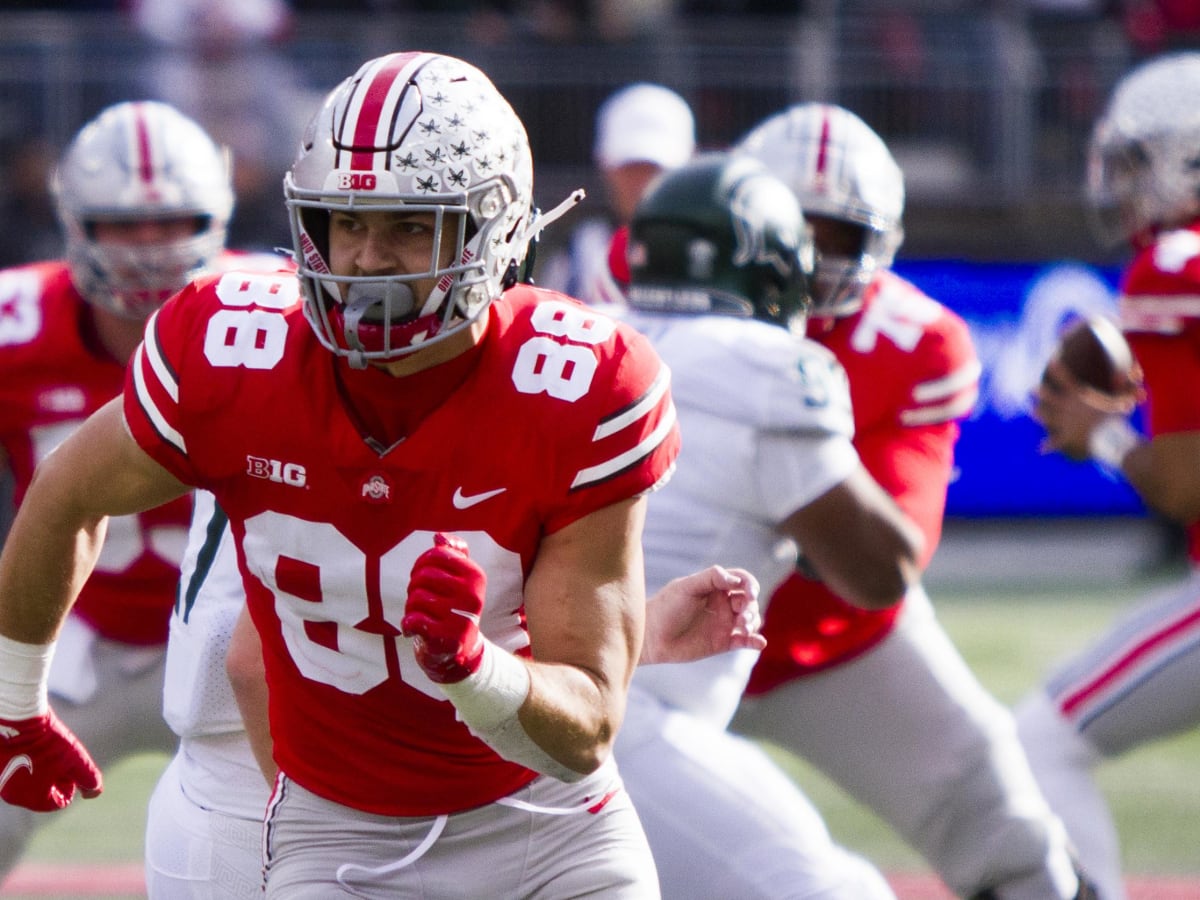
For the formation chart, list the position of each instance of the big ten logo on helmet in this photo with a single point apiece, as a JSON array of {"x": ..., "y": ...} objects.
[
  {"x": 273, "y": 470},
  {"x": 357, "y": 181}
]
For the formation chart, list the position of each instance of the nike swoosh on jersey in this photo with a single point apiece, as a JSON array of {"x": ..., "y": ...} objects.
[
  {"x": 466, "y": 501},
  {"x": 17, "y": 762}
]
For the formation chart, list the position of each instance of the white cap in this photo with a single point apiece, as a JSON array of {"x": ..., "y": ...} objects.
[{"x": 644, "y": 123}]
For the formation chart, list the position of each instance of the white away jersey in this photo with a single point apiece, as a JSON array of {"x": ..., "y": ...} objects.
[
  {"x": 767, "y": 428},
  {"x": 197, "y": 698}
]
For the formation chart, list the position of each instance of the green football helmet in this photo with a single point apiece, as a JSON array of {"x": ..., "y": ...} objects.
[{"x": 721, "y": 236}]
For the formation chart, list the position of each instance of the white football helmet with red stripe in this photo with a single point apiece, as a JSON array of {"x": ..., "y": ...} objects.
[
  {"x": 420, "y": 132},
  {"x": 1144, "y": 156},
  {"x": 140, "y": 161},
  {"x": 839, "y": 168}
]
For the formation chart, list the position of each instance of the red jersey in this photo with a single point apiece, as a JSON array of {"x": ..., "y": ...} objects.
[
  {"x": 1159, "y": 307},
  {"x": 53, "y": 375},
  {"x": 560, "y": 411},
  {"x": 913, "y": 373}
]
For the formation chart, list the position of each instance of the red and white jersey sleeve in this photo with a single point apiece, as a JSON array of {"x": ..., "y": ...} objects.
[
  {"x": 1159, "y": 307},
  {"x": 564, "y": 412},
  {"x": 53, "y": 375},
  {"x": 913, "y": 374}
]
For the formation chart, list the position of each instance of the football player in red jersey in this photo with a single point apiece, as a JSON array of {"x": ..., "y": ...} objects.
[
  {"x": 1141, "y": 680},
  {"x": 436, "y": 480},
  {"x": 144, "y": 197},
  {"x": 953, "y": 781}
]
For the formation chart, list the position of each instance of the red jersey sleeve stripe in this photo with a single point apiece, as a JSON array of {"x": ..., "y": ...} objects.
[
  {"x": 950, "y": 411},
  {"x": 1161, "y": 314},
  {"x": 150, "y": 368},
  {"x": 158, "y": 362},
  {"x": 945, "y": 399},
  {"x": 964, "y": 377},
  {"x": 149, "y": 408},
  {"x": 631, "y": 414},
  {"x": 623, "y": 461}
]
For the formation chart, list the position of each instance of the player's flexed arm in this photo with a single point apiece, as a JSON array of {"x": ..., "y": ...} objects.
[
  {"x": 584, "y": 605},
  {"x": 48, "y": 555},
  {"x": 585, "y": 608},
  {"x": 710, "y": 611}
]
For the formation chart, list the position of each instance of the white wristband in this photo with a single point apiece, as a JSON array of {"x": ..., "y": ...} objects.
[
  {"x": 1111, "y": 440},
  {"x": 488, "y": 701},
  {"x": 492, "y": 694},
  {"x": 24, "y": 674}
]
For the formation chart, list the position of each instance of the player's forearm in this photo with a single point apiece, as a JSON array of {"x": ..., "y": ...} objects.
[
  {"x": 572, "y": 715},
  {"x": 48, "y": 554},
  {"x": 880, "y": 579},
  {"x": 1165, "y": 474},
  {"x": 860, "y": 543},
  {"x": 55, "y": 539},
  {"x": 553, "y": 719},
  {"x": 585, "y": 611}
]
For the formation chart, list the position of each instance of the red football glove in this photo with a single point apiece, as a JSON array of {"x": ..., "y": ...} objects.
[
  {"x": 42, "y": 763},
  {"x": 445, "y": 599}
]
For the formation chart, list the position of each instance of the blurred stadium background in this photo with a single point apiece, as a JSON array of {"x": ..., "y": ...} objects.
[{"x": 987, "y": 105}]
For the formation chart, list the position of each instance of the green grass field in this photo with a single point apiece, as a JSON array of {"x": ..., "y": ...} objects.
[{"x": 1009, "y": 635}]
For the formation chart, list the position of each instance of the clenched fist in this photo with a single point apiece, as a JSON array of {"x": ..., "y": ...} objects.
[
  {"x": 445, "y": 599},
  {"x": 42, "y": 764}
]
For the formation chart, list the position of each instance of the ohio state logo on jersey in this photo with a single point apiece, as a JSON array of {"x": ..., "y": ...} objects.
[{"x": 375, "y": 489}]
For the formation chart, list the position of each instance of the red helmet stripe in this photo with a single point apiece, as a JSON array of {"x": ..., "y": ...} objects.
[
  {"x": 823, "y": 143},
  {"x": 373, "y": 96},
  {"x": 141, "y": 132}
]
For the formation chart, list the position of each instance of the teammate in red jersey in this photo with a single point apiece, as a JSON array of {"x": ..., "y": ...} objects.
[
  {"x": 952, "y": 781},
  {"x": 1138, "y": 682},
  {"x": 144, "y": 197},
  {"x": 436, "y": 480}
]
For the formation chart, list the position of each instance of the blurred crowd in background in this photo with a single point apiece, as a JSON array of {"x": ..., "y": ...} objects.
[{"x": 986, "y": 103}]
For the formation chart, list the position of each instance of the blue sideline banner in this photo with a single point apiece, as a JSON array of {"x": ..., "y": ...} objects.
[{"x": 1015, "y": 313}]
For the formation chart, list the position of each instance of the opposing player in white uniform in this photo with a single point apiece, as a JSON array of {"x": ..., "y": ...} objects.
[
  {"x": 954, "y": 781},
  {"x": 1141, "y": 680},
  {"x": 719, "y": 257},
  {"x": 449, "y": 617},
  {"x": 204, "y": 824},
  {"x": 144, "y": 198}
]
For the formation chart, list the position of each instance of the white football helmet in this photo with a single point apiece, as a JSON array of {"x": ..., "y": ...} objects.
[
  {"x": 420, "y": 132},
  {"x": 839, "y": 168},
  {"x": 138, "y": 161},
  {"x": 1144, "y": 158}
]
